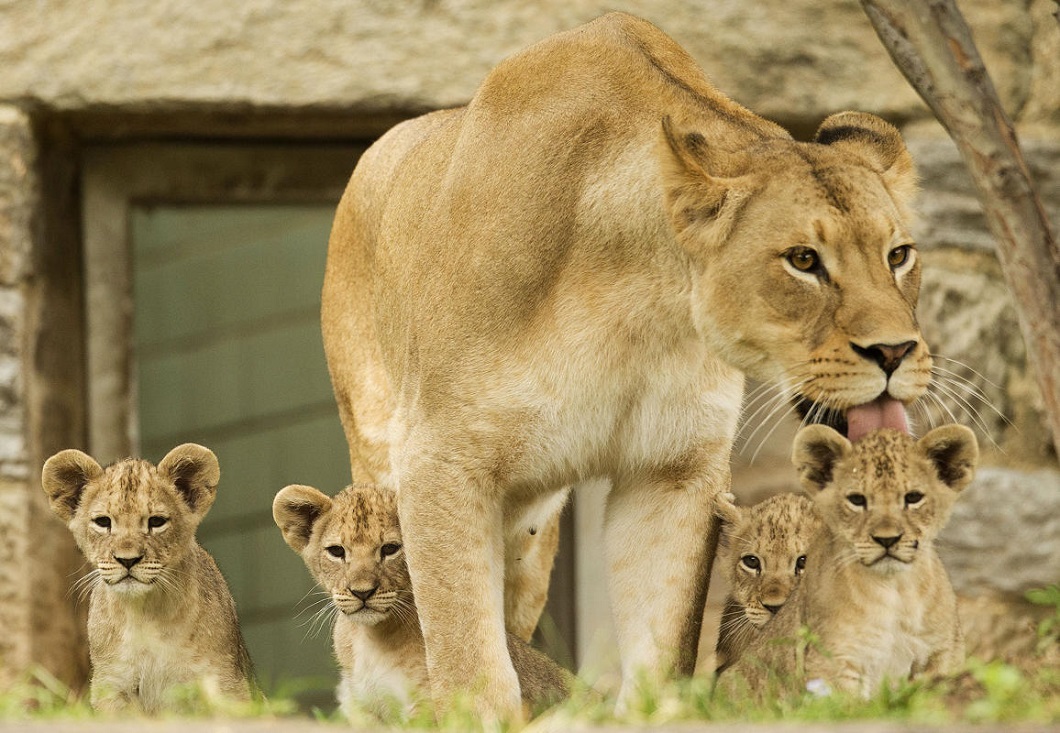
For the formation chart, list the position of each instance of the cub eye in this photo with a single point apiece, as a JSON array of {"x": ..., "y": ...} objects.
[
  {"x": 898, "y": 256},
  {"x": 800, "y": 564},
  {"x": 913, "y": 497},
  {"x": 103, "y": 522},
  {"x": 803, "y": 259},
  {"x": 857, "y": 499},
  {"x": 336, "y": 551},
  {"x": 751, "y": 562},
  {"x": 390, "y": 548},
  {"x": 156, "y": 522}
]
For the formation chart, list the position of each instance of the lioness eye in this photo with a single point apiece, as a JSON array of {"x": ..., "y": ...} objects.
[
  {"x": 913, "y": 497},
  {"x": 800, "y": 564},
  {"x": 856, "y": 499},
  {"x": 751, "y": 562},
  {"x": 336, "y": 551},
  {"x": 803, "y": 259},
  {"x": 103, "y": 522},
  {"x": 155, "y": 522},
  {"x": 898, "y": 256},
  {"x": 389, "y": 549}
]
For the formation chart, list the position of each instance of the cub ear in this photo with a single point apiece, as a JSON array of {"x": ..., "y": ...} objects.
[
  {"x": 878, "y": 143},
  {"x": 295, "y": 509},
  {"x": 954, "y": 451},
  {"x": 195, "y": 472},
  {"x": 816, "y": 450},
  {"x": 726, "y": 509},
  {"x": 702, "y": 197},
  {"x": 64, "y": 478}
]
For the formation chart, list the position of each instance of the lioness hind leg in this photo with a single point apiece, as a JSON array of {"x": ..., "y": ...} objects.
[
  {"x": 453, "y": 539},
  {"x": 661, "y": 537}
]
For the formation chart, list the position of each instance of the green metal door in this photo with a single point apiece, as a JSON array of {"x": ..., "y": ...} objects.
[{"x": 229, "y": 355}]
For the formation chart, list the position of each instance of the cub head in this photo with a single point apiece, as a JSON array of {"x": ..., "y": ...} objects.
[
  {"x": 888, "y": 495},
  {"x": 768, "y": 546},
  {"x": 804, "y": 270},
  {"x": 351, "y": 544},
  {"x": 133, "y": 521}
]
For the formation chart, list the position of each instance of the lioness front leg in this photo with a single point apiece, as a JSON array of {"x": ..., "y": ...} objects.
[
  {"x": 661, "y": 536},
  {"x": 453, "y": 540}
]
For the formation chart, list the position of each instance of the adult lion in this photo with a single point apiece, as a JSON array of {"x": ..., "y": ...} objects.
[{"x": 568, "y": 278}]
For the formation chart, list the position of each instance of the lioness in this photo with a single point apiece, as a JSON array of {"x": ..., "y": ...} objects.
[
  {"x": 767, "y": 554},
  {"x": 351, "y": 544},
  {"x": 568, "y": 278},
  {"x": 160, "y": 614},
  {"x": 878, "y": 600}
]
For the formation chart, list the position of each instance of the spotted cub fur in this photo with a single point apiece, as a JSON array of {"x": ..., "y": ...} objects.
[
  {"x": 767, "y": 546},
  {"x": 351, "y": 544},
  {"x": 878, "y": 603},
  {"x": 160, "y": 613}
]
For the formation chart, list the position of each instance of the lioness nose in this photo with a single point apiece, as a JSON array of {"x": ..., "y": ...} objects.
[
  {"x": 364, "y": 595},
  {"x": 886, "y": 542},
  {"x": 772, "y": 608},
  {"x": 128, "y": 562},
  {"x": 888, "y": 356}
]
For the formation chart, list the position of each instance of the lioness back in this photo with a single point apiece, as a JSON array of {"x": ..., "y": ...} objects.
[
  {"x": 878, "y": 601},
  {"x": 351, "y": 543},
  {"x": 161, "y": 620},
  {"x": 767, "y": 554}
]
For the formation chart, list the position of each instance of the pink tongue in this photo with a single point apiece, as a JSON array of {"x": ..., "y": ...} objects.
[{"x": 882, "y": 412}]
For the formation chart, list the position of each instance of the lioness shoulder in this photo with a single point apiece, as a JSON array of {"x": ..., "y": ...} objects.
[
  {"x": 351, "y": 543},
  {"x": 154, "y": 589},
  {"x": 878, "y": 603},
  {"x": 767, "y": 546}
]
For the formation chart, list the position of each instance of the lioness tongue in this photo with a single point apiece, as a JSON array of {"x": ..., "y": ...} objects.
[{"x": 883, "y": 412}]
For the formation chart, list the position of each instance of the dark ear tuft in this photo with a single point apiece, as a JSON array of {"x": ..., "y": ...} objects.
[
  {"x": 195, "y": 472},
  {"x": 816, "y": 450},
  {"x": 876, "y": 142},
  {"x": 64, "y": 478},
  {"x": 954, "y": 451},
  {"x": 295, "y": 510}
]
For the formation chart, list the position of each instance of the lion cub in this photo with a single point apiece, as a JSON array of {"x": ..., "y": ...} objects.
[
  {"x": 878, "y": 601},
  {"x": 767, "y": 548},
  {"x": 160, "y": 614},
  {"x": 351, "y": 544}
]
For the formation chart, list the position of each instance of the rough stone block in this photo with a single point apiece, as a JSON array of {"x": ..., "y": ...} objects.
[{"x": 17, "y": 194}]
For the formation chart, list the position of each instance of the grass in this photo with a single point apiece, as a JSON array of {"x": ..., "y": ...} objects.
[{"x": 982, "y": 692}]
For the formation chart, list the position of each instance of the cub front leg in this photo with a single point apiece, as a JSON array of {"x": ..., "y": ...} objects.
[
  {"x": 452, "y": 533},
  {"x": 661, "y": 532}
]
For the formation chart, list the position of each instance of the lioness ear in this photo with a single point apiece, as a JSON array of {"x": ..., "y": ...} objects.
[
  {"x": 879, "y": 144},
  {"x": 195, "y": 472},
  {"x": 699, "y": 198},
  {"x": 64, "y": 478},
  {"x": 816, "y": 450},
  {"x": 295, "y": 509},
  {"x": 954, "y": 451}
]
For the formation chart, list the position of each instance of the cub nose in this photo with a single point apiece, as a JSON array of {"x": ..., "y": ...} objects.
[
  {"x": 888, "y": 356},
  {"x": 886, "y": 542},
  {"x": 772, "y": 608},
  {"x": 364, "y": 595},
  {"x": 128, "y": 562}
]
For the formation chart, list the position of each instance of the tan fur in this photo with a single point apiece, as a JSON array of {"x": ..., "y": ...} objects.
[
  {"x": 877, "y": 613},
  {"x": 567, "y": 279},
  {"x": 167, "y": 621},
  {"x": 766, "y": 554},
  {"x": 377, "y": 636}
]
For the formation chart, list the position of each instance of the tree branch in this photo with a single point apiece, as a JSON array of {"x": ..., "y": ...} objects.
[{"x": 933, "y": 47}]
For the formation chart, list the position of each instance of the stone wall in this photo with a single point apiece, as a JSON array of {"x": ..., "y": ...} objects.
[{"x": 122, "y": 70}]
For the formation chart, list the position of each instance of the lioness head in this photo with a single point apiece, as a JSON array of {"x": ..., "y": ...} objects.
[
  {"x": 768, "y": 545},
  {"x": 352, "y": 546},
  {"x": 805, "y": 271},
  {"x": 134, "y": 522},
  {"x": 887, "y": 495}
]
